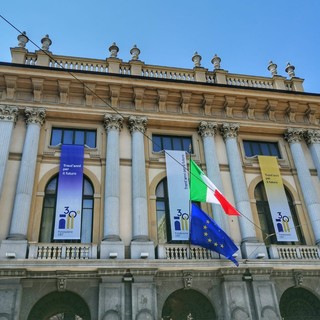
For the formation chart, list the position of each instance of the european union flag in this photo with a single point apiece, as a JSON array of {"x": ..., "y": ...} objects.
[{"x": 205, "y": 232}]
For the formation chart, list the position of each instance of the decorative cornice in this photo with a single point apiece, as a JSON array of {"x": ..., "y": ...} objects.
[
  {"x": 9, "y": 113},
  {"x": 229, "y": 130},
  {"x": 35, "y": 115},
  {"x": 207, "y": 129},
  {"x": 312, "y": 136},
  {"x": 293, "y": 135},
  {"x": 137, "y": 124},
  {"x": 113, "y": 122}
]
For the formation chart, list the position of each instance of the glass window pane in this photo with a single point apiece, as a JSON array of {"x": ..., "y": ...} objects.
[
  {"x": 46, "y": 225},
  {"x": 177, "y": 143},
  {"x": 90, "y": 139},
  {"x": 187, "y": 145},
  {"x": 274, "y": 151},
  {"x": 157, "y": 145},
  {"x": 56, "y": 137},
  {"x": 247, "y": 148},
  {"x": 87, "y": 203},
  {"x": 79, "y": 137},
  {"x": 52, "y": 186},
  {"x": 167, "y": 144},
  {"x": 68, "y": 136},
  {"x": 87, "y": 188},
  {"x": 160, "y": 190},
  {"x": 255, "y": 148},
  {"x": 86, "y": 229},
  {"x": 265, "y": 151}
]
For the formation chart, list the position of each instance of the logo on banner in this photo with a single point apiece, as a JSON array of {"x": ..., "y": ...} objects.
[
  {"x": 69, "y": 196},
  {"x": 277, "y": 199},
  {"x": 178, "y": 189}
]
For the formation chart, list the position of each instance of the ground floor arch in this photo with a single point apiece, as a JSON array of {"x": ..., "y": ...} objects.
[
  {"x": 186, "y": 304},
  {"x": 299, "y": 304},
  {"x": 60, "y": 305}
]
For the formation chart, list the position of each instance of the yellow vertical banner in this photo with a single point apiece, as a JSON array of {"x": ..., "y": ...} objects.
[{"x": 278, "y": 203}]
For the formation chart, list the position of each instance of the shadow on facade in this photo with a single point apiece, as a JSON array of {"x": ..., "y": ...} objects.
[
  {"x": 188, "y": 304},
  {"x": 60, "y": 305},
  {"x": 299, "y": 304}
]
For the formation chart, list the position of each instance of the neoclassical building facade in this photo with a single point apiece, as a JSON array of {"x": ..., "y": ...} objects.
[{"x": 126, "y": 115}]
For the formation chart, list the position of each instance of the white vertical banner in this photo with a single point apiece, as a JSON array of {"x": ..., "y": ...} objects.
[
  {"x": 178, "y": 190},
  {"x": 277, "y": 199}
]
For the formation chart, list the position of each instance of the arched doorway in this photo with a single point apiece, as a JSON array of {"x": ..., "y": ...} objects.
[
  {"x": 60, "y": 306},
  {"x": 299, "y": 304},
  {"x": 185, "y": 303}
]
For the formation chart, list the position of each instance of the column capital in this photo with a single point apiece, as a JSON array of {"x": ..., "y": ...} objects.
[
  {"x": 312, "y": 136},
  {"x": 229, "y": 130},
  {"x": 9, "y": 113},
  {"x": 207, "y": 129},
  {"x": 35, "y": 115},
  {"x": 137, "y": 124},
  {"x": 293, "y": 135},
  {"x": 113, "y": 122}
]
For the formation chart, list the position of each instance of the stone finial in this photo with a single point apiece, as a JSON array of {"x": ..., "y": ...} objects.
[
  {"x": 114, "y": 49},
  {"x": 272, "y": 67},
  {"x": 196, "y": 58},
  {"x": 46, "y": 42},
  {"x": 216, "y": 62},
  {"x": 290, "y": 70},
  {"x": 22, "y": 39},
  {"x": 135, "y": 52}
]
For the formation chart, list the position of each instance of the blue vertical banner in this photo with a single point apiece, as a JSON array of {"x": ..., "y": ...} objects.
[{"x": 69, "y": 196}]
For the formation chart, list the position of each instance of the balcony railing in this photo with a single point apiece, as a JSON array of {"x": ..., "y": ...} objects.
[
  {"x": 294, "y": 252},
  {"x": 139, "y": 68},
  {"x": 57, "y": 251}
]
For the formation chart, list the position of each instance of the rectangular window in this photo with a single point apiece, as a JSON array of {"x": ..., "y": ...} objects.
[
  {"x": 73, "y": 136},
  {"x": 261, "y": 148},
  {"x": 162, "y": 142}
]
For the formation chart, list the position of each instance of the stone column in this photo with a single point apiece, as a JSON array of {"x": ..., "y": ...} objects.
[
  {"x": 312, "y": 138},
  {"x": 8, "y": 118},
  {"x": 250, "y": 243},
  {"x": 137, "y": 127},
  {"x": 112, "y": 245},
  {"x": 311, "y": 198},
  {"x": 21, "y": 210},
  {"x": 16, "y": 243},
  {"x": 208, "y": 130}
]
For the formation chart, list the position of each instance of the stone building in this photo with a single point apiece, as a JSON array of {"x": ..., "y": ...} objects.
[{"x": 124, "y": 265}]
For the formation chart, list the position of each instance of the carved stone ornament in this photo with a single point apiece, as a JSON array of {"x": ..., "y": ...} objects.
[
  {"x": 298, "y": 278},
  {"x": 207, "y": 129},
  {"x": 294, "y": 135},
  {"x": 61, "y": 284},
  {"x": 8, "y": 113},
  {"x": 137, "y": 124},
  {"x": 35, "y": 115},
  {"x": 187, "y": 280},
  {"x": 113, "y": 122},
  {"x": 312, "y": 136},
  {"x": 229, "y": 130}
]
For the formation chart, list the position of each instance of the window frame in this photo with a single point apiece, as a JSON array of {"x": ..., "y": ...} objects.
[
  {"x": 173, "y": 140},
  {"x": 74, "y": 132},
  {"x": 54, "y": 196},
  {"x": 260, "y": 144}
]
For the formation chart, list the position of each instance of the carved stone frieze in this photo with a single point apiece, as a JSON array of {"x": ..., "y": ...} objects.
[
  {"x": 35, "y": 115},
  {"x": 293, "y": 135},
  {"x": 229, "y": 130},
  {"x": 113, "y": 122},
  {"x": 207, "y": 129},
  {"x": 9, "y": 113},
  {"x": 312, "y": 136},
  {"x": 137, "y": 124}
]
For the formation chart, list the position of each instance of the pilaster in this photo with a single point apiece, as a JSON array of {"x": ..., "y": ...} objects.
[
  {"x": 112, "y": 246},
  {"x": 294, "y": 136},
  {"x": 312, "y": 138},
  {"x": 141, "y": 246}
]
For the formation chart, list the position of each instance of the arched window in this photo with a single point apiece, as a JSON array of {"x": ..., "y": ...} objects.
[
  {"x": 49, "y": 209},
  {"x": 266, "y": 219},
  {"x": 162, "y": 207}
]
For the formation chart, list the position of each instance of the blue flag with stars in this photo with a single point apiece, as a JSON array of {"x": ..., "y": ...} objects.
[{"x": 205, "y": 232}]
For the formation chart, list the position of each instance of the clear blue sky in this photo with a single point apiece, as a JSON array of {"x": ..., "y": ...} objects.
[{"x": 246, "y": 34}]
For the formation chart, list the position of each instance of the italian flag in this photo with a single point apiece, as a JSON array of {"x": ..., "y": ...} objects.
[{"x": 203, "y": 190}]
